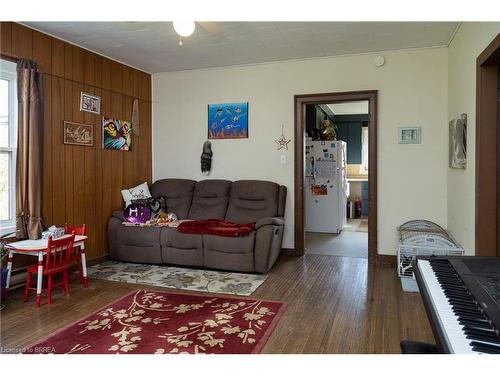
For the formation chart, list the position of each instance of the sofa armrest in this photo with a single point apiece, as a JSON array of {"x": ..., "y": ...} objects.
[
  {"x": 268, "y": 238},
  {"x": 277, "y": 221},
  {"x": 114, "y": 225},
  {"x": 118, "y": 215}
]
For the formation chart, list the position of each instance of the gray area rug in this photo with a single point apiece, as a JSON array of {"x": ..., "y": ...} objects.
[{"x": 241, "y": 284}]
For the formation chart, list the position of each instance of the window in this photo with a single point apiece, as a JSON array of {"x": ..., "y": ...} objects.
[{"x": 8, "y": 140}]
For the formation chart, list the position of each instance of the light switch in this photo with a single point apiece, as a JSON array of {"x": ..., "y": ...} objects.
[{"x": 283, "y": 159}]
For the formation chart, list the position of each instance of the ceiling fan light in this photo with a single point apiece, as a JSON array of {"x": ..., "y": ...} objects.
[{"x": 184, "y": 28}]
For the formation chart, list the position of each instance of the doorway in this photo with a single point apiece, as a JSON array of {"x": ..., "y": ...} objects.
[
  {"x": 301, "y": 189},
  {"x": 336, "y": 179},
  {"x": 488, "y": 151}
]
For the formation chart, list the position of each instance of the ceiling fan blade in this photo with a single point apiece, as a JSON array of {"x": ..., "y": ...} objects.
[{"x": 211, "y": 27}]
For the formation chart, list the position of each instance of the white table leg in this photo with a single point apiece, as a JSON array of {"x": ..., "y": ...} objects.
[
  {"x": 84, "y": 266},
  {"x": 39, "y": 280},
  {"x": 9, "y": 269}
]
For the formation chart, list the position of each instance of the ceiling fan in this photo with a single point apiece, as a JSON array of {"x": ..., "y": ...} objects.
[{"x": 186, "y": 28}]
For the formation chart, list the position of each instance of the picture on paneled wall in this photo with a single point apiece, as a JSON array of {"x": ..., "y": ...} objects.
[
  {"x": 78, "y": 134},
  {"x": 228, "y": 121},
  {"x": 458, "y": 142},
  {"x": 117, "y": 134},
  {"x": 90, "y": 103}
]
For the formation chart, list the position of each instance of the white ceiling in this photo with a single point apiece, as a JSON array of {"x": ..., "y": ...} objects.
[
  {"x": 349, "y": 108},
  {"x": 153, "y": 46}
]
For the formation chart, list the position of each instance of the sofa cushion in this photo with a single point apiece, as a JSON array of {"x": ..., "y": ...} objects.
[
  {"x": 181, "y": 248},
  {"x": 251, "y": 200},
  {"x": 228, "y": 262},
  {"x": 178, "y": 194},
  {"x": 171, "y": 238},
  {"x": 138, "y": 254},
  {"x": 229, "y": 253},
  {"x": 210, "y": 200},
  {"x": 138, "y": 244},
  {"x": 139, "y": 236},
  {"x": 234, "y": 245}
]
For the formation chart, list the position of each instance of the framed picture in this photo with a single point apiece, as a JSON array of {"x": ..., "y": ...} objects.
[
  {"x": 458, "y": 142},
  {"x": 228, "y": 121},
  {"x": 410, "y": 135},
  {"x": 116, "y": 134},
  {"x": 78, "y": 134},
  {"x": 90, "y": 103}
]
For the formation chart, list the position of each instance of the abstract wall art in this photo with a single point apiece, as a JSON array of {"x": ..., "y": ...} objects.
[{"x": 116, "y": 134}]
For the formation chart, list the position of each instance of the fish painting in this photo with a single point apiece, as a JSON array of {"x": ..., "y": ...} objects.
[{"x": 228, "y": 121}]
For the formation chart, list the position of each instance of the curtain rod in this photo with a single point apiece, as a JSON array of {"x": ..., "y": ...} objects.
[{"x": 9, "y": 57}]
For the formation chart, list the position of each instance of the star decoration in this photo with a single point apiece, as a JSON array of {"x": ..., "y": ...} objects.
[{"x": 282, "y": 141}]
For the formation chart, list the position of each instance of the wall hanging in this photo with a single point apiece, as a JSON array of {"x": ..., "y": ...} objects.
[
  {"x": 282, "y": 141},
  {"x": 228, "y": 121},
  {"x": 116, "y": 134},
  {"x": 458, "y": 142},
  {"x": 410, "y": 135},
  {"x": 78, "y": 134},
  {"x": 206, "y": 158},
  {"x": 90, "y": 103},
  {"x": 135, "y": 116}
]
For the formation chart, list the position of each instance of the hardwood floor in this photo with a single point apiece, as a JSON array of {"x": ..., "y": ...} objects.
[
  {"x": 350, "y": 244},
  {"x": 335, "y": 305}
]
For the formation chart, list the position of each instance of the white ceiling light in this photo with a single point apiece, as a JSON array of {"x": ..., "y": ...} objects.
[{"x": 184, "y": 28}]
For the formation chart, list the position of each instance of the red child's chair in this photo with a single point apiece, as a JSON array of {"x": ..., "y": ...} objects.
[
  {"x": 57, "y": 261},
  {"x": 80, "y": 231}
]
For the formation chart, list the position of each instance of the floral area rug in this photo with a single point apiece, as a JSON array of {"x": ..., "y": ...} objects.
[
  {"x": 242, "y": 284},
  {"x": 153, "y": 322}
]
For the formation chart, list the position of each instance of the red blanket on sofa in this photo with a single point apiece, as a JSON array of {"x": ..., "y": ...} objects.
[{"x": 216, "y": 227}]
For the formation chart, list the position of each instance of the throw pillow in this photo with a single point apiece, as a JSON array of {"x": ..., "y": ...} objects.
[{"x": 139, "y": 192}]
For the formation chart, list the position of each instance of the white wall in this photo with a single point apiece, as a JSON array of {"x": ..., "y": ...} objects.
[
  {"x": 470, "y": 40},
  {"x": 412, "y": 92}
]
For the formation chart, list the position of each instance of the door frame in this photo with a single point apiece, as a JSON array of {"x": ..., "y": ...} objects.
[
  {"x": 300, "y": 102},
  {"x": 488, "y": 151}
]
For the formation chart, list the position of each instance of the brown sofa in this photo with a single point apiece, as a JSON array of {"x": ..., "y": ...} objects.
[{"x": 245, "y": 201}]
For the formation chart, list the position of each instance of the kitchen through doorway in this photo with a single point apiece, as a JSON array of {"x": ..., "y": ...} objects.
[
  {"x": 311, "y": 188},
  {"x": 336, "y": 178}
]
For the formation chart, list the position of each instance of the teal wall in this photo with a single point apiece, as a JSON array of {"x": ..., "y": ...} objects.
[{"x": 349, "y": 130}]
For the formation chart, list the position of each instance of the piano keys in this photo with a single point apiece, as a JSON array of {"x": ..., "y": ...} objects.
[{"x": 462, "y": 299}]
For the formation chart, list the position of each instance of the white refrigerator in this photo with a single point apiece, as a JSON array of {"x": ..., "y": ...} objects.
[{"x": 326, "y": 186}]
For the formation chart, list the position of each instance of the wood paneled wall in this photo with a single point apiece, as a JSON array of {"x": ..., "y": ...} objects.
[{"x": 82, "y": 184}]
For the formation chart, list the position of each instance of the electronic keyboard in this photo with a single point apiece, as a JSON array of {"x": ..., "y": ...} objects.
[{"x": 462, "y": 299}]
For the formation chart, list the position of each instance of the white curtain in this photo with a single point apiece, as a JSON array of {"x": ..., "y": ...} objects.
[{"x": 364, "y": 150}]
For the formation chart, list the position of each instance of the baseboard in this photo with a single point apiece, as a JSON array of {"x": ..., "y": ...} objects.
[
  {"x": 386, "y": 259},
  {"x": 288, "y": 251}
]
